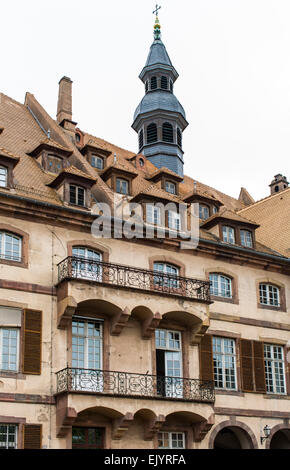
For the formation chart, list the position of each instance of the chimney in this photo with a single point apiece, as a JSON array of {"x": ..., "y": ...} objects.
[
  {"x": 64, "y": 105},
  {"x": 278, "y": 184}
]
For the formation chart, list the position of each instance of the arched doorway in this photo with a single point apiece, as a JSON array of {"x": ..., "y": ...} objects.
[
  {"x": 232, "y": 437},
  {"x": 281, "y": 439}
]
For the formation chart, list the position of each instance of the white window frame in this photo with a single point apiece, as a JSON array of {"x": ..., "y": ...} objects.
[
  {"x": 174, "y": 220},
  {"x": 80, "y": 270},
  {"x": 223, "y": 355},
  {"x": 153, "y": 214},
  {"x": 168, "y": 269},
  {"x": 161, "y": 436},
  {"x": 122, "y": 182},
  {"x": 170, "y": 187},
  {"x": 246, "y": 238},
  {"x": 8, "y": 425},
  {"x": 271, "y": 364},
  {"x": 3, "y": 176},
  {"x": 219, "y": 292},
  {"x": 95, "y": 160},
  {"x": 3, "y": 246},
  {"x": 202, "y": 209},
  {"x": 267, "y": 293},
  {"x": 228, "y": 234},
  {"x": 2, "y": 346}
]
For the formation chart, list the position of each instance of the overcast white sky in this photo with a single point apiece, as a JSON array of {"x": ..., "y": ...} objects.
[{"x": 232, "y": 57}]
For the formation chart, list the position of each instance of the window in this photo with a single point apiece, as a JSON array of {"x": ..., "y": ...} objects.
[
  {"x": 153, "y": 83},
  {"x": 171, "y": 85},
  {"x": 141, "y": 162},
  {"x": 174, "y": 220},
  {"x": 88, "y": 438},
  {"x": 153, "y": 214},
  {"x": 54, "y": 164},
  {"x": 141, "y": 139},
  {"x": 122, "y": 186},
  {"x": 169, "y": 363},
  {"x": 8, "y": 436},
  {"x": 214, "y": 210},
  {"x": 167, "y": 132},
  {"x": 88, "y": 265},
  {"x": 203, "y": 212},
  {"x": 151, "y": 133},
  {"x": 97, "y": 162},
  {"x": 76, "y": 195},
  {"x": 246, "y": 238},
  {"x": 229, "y": 235},
  {"x": 179, "y": 137},
  {"x": 78, "y": 138},
  {"x": 171, "y": 440},
  {"x": 220, "y": 286},
  {"x": 224, "y": 360},
  {"x": 164, "y": 83},
  {"x": 269, "y": 295},
  {"x": 9, "y": 349},
  {"x": 166, "y": 279},
  {"x": 274, "y": 369},
  {"x": 3, "y": 176},
  {"x": 10, "y": 246},
  {"x": 170, "y": 187}
]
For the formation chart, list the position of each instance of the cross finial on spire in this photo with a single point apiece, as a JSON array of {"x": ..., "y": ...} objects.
[{"x": 157, "y": 27}]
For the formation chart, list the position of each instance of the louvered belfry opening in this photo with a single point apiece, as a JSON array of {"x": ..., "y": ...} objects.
[
  {"x": 153, "y": 83},
  {"x": 141, "y": 139},
  {"x": 167, "y": 132},
  {"x": 164, "y": 83},
  {"x": 179, "y": 137},
  {"x": 151, "y": 133},
  {"x": 146, "y": 86}
]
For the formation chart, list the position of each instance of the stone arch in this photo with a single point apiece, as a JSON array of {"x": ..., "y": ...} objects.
[
  {"x": 241, "y": 431},
  {"x": 284, "y": 429}
]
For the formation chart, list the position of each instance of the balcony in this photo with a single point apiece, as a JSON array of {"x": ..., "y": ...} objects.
[
  {"x": 116, "y": 275},
  {"x": 124, "y": 384}
]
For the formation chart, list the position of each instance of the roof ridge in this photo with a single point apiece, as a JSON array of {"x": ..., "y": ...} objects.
[
  {"x": 107, "y": 142},
  {"x": 12, "y": 99},
  {"x": 264, "y": 199}
]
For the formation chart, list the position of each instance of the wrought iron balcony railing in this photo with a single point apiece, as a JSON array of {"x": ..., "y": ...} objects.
[
  {"x": 127, "y": 384},
  {"x": 134, "y": 278}
]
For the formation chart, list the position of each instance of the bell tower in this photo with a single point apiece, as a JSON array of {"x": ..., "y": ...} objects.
[{"x": 160, "y": 119}]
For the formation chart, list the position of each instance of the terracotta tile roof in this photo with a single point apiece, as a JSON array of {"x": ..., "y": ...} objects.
[
  {"x": 166, "y": 171},
  {"x": 273, "y": 215},
  {"x": 8, "y": 154},
  {"x": 103, "y": 144},
  {"x": 224, "y": 213},
  {"x": 52, "y": 144}
]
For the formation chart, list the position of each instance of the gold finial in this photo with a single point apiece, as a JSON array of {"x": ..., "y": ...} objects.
[{"x": 157, "y": 27}]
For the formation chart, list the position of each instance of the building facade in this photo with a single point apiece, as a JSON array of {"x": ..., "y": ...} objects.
[{"x": 136, "y": 343}]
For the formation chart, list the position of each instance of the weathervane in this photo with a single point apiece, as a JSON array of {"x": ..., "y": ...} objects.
[{"x": 157, "y": 27}]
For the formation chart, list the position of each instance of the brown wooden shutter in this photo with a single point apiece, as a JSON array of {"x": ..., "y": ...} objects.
[
  {"x": 32, "y": 342},
  {"x": 246, "y": 352},
  {"x": 259, "y": 366},
  {"x": 32, "y": 436},
  {"x": 206, "y": 358}
]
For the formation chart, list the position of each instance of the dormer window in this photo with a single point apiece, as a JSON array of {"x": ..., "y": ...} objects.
[
  {"x": 97, "y": 162},
  {"x": 203, "y": 212},
  {"x": 153, "y": 83},
  {"x": 164, "y": 83},
  {"x": 214, "y": 210},
  {"x": 228, "y": 235},
  {"x": 174, "y": 220},
  {"x": 153, "y": 214},
  {"x": 170, "y": 187},
  {"x": 246, "y": 238},
  {"x": 122, "y": 186},
  {"x": 3, "y": 176},
  {"x": 54, "y": 164},
  {"x": 76, "y": 195}
]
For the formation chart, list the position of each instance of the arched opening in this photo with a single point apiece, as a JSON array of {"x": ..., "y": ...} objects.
[
  {"x": 167, "y": 132},
  {"x": 164, "y": 83},
  {"x": 281, "y": 439},
  {"x": 151, "y": 133},
  {"x": 232, "y": 437},
  {"x": 179, "y": 137},
  {"x": 141, "y": 139},
  {"x": 153, "y": 83}
]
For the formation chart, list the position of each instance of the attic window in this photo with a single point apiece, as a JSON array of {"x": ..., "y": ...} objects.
[
  {"x": 229, "y": 235},
  {"x": 76, "y": 195},
  {"x": 141, "y": 162},
  {"x": 122, "y": 186},
  {"x": 164, "y": 83},
  {"x": 78, "y": 138},
  {"x": 203, "y": 212},
  {"x": 3, "y": 176},
  {"x": 97, "y": 162},
  {"x": 153, "y": 83},
  {"x": 246, "y": 238},
  {"x": 170, "y": 187},
  {"x": 54, "y": 164}
]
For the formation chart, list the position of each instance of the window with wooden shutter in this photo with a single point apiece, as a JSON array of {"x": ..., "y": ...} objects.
[
  {"x": 206, "y": 358},
  {"x": 32, "y": 436},
  {"x": 259, "y": 366},
  {"x": 246, "y": 351},
  {"x": 32, "y": 342}
]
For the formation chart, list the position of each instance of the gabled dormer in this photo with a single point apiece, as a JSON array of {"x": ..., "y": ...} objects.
[
  {"x": 119, "y": 176},
  {"x": 208, "y": 204},
  {"x": 96, "y": 156},
  {"x": 166, "y": 180},
  {"x": 51, "y": 156},
  {"x": 232, "y": 228},
  {"x": 7, "y": 163},
  {"x": 74, "y": 187}
]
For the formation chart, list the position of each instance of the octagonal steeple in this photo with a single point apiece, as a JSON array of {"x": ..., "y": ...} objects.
[{"x": 160, "y": 119}]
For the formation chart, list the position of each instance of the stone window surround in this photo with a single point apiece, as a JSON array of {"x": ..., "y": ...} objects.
[
  {"x": 234, "y": 279},
  {"x": 19, "y": 422},
  {"x": 282, "y": 294},
  {"x": 24, "y": 246}
]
